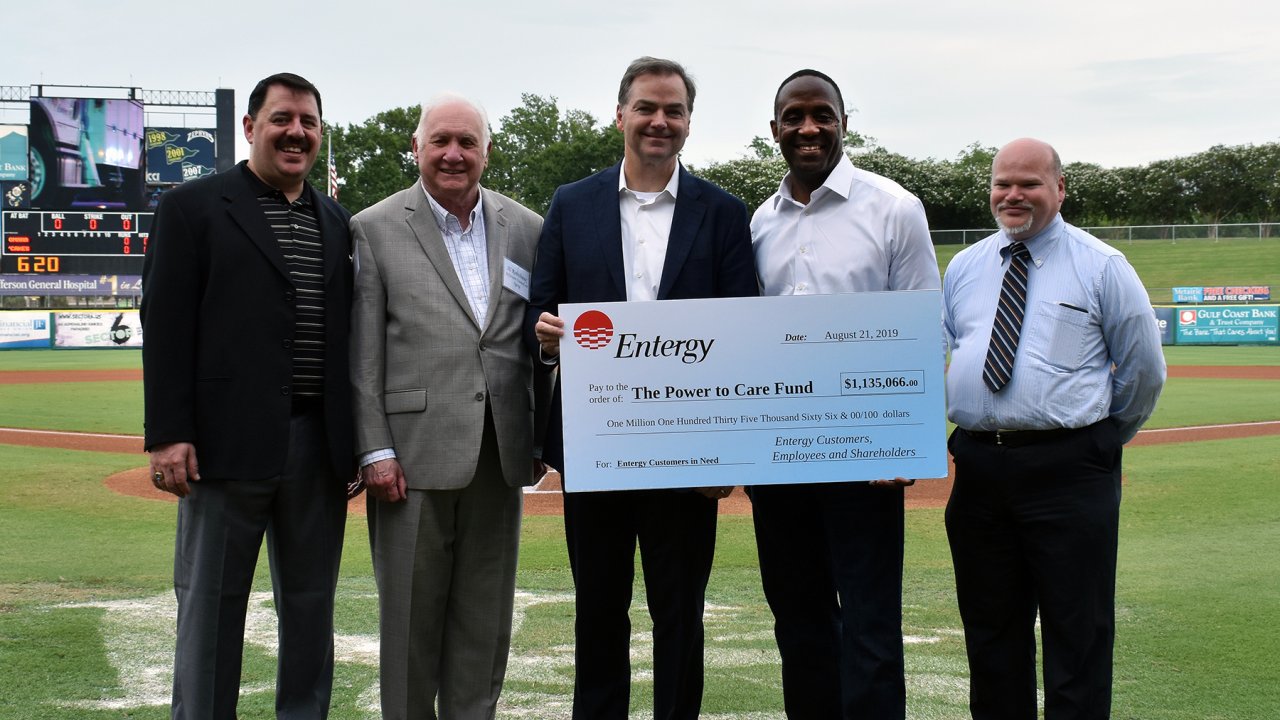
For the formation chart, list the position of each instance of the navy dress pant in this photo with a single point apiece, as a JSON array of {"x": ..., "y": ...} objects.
[
  {"x": 831, "y": 565},
  {"x": 676, "y": 532}
]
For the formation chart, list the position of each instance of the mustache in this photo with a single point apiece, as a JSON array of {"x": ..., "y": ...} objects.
[
  {"x": 301, "y": 144},
  {"x": 1016, "y": 206}
]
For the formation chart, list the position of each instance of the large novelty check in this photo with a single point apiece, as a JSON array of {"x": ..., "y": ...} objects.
[{"x": 751, "y": 391}]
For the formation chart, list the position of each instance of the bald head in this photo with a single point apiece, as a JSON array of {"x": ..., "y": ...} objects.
[
  {"x": 1033, "y": 148},
  {"x": 1027, "y": 187}
]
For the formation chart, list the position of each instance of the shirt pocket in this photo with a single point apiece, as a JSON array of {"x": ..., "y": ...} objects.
[{"x": 1057, "y": 335}]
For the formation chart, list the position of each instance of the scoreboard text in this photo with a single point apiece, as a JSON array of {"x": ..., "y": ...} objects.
[{"x": 73, "y": 243}]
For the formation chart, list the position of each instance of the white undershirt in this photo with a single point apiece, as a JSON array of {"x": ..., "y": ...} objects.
[{"x": 646, "y": 225}]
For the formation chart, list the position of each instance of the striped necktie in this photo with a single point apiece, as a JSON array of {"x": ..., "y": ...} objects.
[{"x": 1007, "y": 326}]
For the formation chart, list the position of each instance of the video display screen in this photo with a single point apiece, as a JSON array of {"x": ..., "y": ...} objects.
[{"x": 86, "y": 153}]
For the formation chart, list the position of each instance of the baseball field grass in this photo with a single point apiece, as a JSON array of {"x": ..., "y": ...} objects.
[
  {"x": 1163, "y": 265},
  {"x": 86, "y": 601},
  {"x": 115, "y": 406}
]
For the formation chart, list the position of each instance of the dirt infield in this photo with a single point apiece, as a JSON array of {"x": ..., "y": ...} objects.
[
  {"x": 1239, "y": 372},
  {"x": 545, "y": 499},
  {"x": 15, "y": 377}
]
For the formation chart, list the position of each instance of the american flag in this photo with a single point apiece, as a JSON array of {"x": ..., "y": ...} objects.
[{"x": 333, "y": 173}]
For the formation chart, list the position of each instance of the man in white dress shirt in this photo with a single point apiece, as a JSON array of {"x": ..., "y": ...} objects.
[{"x": 831, "y": 554}]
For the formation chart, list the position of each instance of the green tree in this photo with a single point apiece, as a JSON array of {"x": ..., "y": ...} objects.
[
  {"x": 752, "y": 180},
  {"x": 1161, "y": 192},
  {"x": 539, "y": 148},
  {"x": 762, "y": 148},
  {"x": 1095, "y": 195},
  {"x": 374, "y": 158}
]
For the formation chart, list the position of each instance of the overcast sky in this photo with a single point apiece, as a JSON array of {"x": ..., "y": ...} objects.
[{"x": 1115, "y": 83}]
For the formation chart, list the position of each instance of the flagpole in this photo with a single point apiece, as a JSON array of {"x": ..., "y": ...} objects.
[{"x": 330, "y": 164}]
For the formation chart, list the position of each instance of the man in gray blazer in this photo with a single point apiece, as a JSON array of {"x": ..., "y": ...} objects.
[{"x": 444, "y": 407}]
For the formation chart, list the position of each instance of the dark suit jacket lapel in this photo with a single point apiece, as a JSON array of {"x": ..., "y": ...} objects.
[
  {"x": 337, "y": 251},
  {"x": 423, "y": 224},
  {"x": 609, "y": 227},
  {"x": 496, "y": 239},
  {"x": 246, "y": 211},
  {"x": 684, "y": 229}
]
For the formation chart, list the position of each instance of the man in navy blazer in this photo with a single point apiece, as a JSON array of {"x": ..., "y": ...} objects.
[
  {"x": 642, "y": 230},
  {"x": 245, "y": 312}
]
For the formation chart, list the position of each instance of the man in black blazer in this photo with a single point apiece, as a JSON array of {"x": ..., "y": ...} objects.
[
  {"x": 643, "y": 230},
  {"x": 245, "y": 314}
]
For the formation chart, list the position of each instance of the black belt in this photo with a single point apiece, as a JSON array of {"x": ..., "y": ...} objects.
[{"x": 1020, "y": 438}]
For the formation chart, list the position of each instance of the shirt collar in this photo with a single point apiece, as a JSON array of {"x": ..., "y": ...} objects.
[
  {"x": 839, "y": 181},
  {"x": 442, "y": 216},
  {"x": 1040, "y": 244},
  {"x": 673, "y": 184},
  {"x": 260, "y": 188}
]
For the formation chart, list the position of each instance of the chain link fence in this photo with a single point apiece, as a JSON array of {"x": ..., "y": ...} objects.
[{"x": 1120, "y": 234}]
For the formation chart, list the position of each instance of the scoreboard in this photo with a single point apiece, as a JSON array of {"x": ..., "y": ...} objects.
[{"x": 55, "y": 242}]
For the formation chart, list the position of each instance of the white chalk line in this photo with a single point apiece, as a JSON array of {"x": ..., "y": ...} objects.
[
  {"x": 1211, "y": 427},
  {"x": 139, "y": 638},
  {"x": 65, "y": 433}
]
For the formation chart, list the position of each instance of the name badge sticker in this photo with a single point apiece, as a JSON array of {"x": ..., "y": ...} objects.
[{"x": 515, "y": 278}]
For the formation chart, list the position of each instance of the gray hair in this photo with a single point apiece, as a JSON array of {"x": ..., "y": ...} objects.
[{"x": 450, "y": 98}]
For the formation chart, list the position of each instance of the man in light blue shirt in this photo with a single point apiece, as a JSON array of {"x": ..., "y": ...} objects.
[{"x": 1051, "y": 372}]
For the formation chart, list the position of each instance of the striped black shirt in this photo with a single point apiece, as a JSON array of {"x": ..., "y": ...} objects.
[{"x": 298, "y": 233}]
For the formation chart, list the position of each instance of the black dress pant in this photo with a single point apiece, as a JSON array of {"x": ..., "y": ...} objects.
[
  {"x": 221, "y": 524},
  {"x": 831, "y": 565},
  {"x": 676, "y": 532},
  {"x": 1033, "y": 529}
]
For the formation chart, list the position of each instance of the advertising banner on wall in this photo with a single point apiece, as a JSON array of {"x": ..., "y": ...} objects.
[
  {"x": 13, "y": 152},
  {"x": 79, "y": 285},
  {"x": 1222, "y": 293},
  {"x": 1229, "y": 325},
  {"x": 176, "y": 155},
  {"x": 24, "y": 329},
  {"x": 1165, "y": 321},
  {"x": 116, "y": 328}
]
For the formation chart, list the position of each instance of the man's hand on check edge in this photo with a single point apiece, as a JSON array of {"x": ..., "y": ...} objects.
[
  {"x": 384, "y": 480},
  {"x": 896, "y": 482},
  {"x": 549, "y": 330}
]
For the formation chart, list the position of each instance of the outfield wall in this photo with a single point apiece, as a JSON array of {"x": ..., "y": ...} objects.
[
  {"x": 1219, "y": 324},
  {"x": 21, "y": 329},
  {"x": 1178, "y": 325}
]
